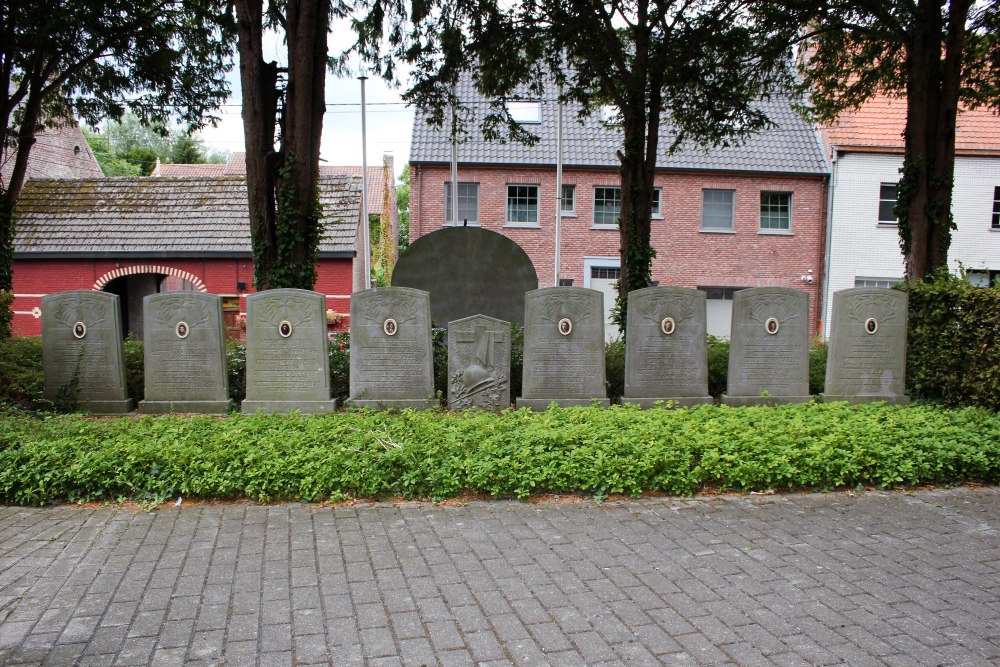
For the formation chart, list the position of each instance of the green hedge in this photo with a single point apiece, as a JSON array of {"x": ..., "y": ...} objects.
[
  {"x": 21, "y": 360},
  {"x": 592, "y": 451},
  {"x": 953, "y": 344}
]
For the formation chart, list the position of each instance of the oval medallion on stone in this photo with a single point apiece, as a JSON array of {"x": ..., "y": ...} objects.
[
  {"x": 182, "y": 329},
  {"x": 871, "y": 325},
  {"x": 390, "y": 327},
  {"x": 285, "y": 328},
  {"x": 565, "y": 326},
  {"x": 79, "y": 329},
  {"x": 668, "y": 325},
  {"x": 772, "y": 325}
]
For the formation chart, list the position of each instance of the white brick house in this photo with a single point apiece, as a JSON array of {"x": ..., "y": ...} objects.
[{"x": 866, "y": 152}]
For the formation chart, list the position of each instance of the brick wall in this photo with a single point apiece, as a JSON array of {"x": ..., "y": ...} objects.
[
  {"x": 686, "y": 256},
  {"x": 34, "y": 278}
]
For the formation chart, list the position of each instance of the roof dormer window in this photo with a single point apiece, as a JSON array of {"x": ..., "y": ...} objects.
[{"x": 525, "y": 112}]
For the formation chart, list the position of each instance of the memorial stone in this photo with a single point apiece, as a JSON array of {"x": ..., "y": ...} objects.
[
  {"x": 769, "y": 347},
  {"x": 479, "y": 363},
  {"x": 288, "y": 363},
  {"x": 391, "y": 363},
  {"x": 82, "y": 344},
  {"x": 867, "y": 354},
  {"x": 184, "y": 351},
  {"x": 468, "y": 271},
  {"x": 563, "y": 348},
  {"x": 666, "y": 356}
]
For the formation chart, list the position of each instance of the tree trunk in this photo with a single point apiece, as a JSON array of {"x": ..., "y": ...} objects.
[
  {"x": 640, "y": 125},
  {"x": 8, "y": 197},
  {"x": 925, "y": 190},
  {"x": 306, "y": 33},
  {"x": 258, "y": 80}
]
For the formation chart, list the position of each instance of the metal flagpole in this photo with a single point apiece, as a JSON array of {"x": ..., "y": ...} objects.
[
  {"x": 454, "y": 162},
  {"x": 559, "y": 179},
  {"x": 364, "y": 186}
]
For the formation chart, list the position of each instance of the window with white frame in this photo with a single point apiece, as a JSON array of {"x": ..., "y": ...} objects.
[
  {"x": 568, "y": 199},
  {"x": 657, "y": 197},
  {"x": 607, "y": 205},
  {"x": 886, "y": 203},
  {"x": 468, "y": 204},
  {"x": 717, "y": 209},
  {"x": 877, "y": 282},
  {"x": 985, "y": 278},
  {"x": 776, "y": 211},
  {"x": 525, "y": 112},
  {"x": 996, "y": 208},
  {"x": 522, "y": 204}
]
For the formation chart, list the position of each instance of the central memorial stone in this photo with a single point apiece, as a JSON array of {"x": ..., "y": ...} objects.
[
  {"x": 769, "y": 347},
  {"x": 468, "y": 271},
  {"x": 479, "y": 363},
  {"x": 666, "y": 356},
  {"x": 867, "y": 357},
  {"x": 82, "y": 345},
  {"x": 184, "y": 353},
  {"x": 288, "y": 363},
  {"x": 391, "y": 363},
  {"x": 563, "y": 348}
]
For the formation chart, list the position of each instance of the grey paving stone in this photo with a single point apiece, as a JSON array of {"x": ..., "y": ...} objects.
[{"x": 877, "y": 578}]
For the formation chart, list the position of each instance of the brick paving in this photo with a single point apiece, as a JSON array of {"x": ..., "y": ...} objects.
[{"x": 876, "y": 579}]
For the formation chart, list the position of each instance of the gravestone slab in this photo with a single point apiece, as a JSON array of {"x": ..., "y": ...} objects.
[
  {"x": 666, "y": 351},
  {"x": 769, "y": 347},
  {"x": 391, "y": 363},
  {"x": 563, "y": 348},
  {"x": 867, "y": 355},
  {"x": 288, "y": 362},
  {"x": 468, "y": 271},
  {"x": 82, "y": 340},
  {"x": 184, "y": 353},
  {"x": 479, "y": 363}
]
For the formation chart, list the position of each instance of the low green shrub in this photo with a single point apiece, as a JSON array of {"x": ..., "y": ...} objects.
[
  {"x": 614, "y": 369},
  {"x": 135, "y": 368},
  {"x": 817, "y": 366},
  {"x": 21, "y": 370},
  {"x": 436, "y": 454},
  {"x": 718, "y": 366}
]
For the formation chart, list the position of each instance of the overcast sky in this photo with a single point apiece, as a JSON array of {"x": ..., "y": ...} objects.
[{"x": 389, "y": 121}]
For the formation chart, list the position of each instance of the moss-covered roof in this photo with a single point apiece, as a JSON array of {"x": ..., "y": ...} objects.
[{"x": 163, "y": 215}]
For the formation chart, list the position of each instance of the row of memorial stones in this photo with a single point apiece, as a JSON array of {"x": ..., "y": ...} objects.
[{"x": 391, "y": 361}]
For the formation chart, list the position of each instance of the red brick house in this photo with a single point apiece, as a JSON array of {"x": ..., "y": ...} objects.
[
  {"x": 138, "y": 236},
  {"x": 381, "y": 188},
  {"x": 724, "y": 219}
]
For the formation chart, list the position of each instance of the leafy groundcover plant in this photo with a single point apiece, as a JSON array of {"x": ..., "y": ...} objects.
[{"x": 435, "y": 454}]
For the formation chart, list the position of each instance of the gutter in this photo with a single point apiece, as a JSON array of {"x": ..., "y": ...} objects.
[{"x": 126, "y": 254}]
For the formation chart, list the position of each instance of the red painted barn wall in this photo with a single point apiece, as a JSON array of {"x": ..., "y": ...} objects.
[
  {"x": 686, "y": 256},
  {"x": 34, "y": 278}
]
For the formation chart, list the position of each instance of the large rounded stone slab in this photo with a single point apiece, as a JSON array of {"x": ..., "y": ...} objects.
[{"x": 468, "y": 271}]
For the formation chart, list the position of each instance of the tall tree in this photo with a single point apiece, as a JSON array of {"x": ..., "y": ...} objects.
[
  {"x": 701, "y": 65},
  {"x": 287, "y": 105},
  {"x": 161, "y": 58},
  {"x": 940, "y": 54}
]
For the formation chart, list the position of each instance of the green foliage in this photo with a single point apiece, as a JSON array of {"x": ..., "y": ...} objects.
[
  {"x": 817, "y": 366},
  {"x": 135, "y": 369},
  {"x": 718, "y": 366},
  {"x": 419, "y": 454},
  {"x": 340, "y": 366},
  {"x": 614, "y": 369},
  {"x": 21, "y": 370},
  {"x": 236, "y": 369},
  {"x": 516, "y": 360},
  {"x": 952, "y": 350},
  {"x": 127, "y": 147},
  {"x": 296, "y": 238},
  {"x": 439, "y": 354},
  {"x": 403, "y": 204},
  {"x": 6, "y": 315}
]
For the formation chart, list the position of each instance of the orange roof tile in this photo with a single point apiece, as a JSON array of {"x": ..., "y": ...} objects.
[{"x": 879, "y": 124}]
